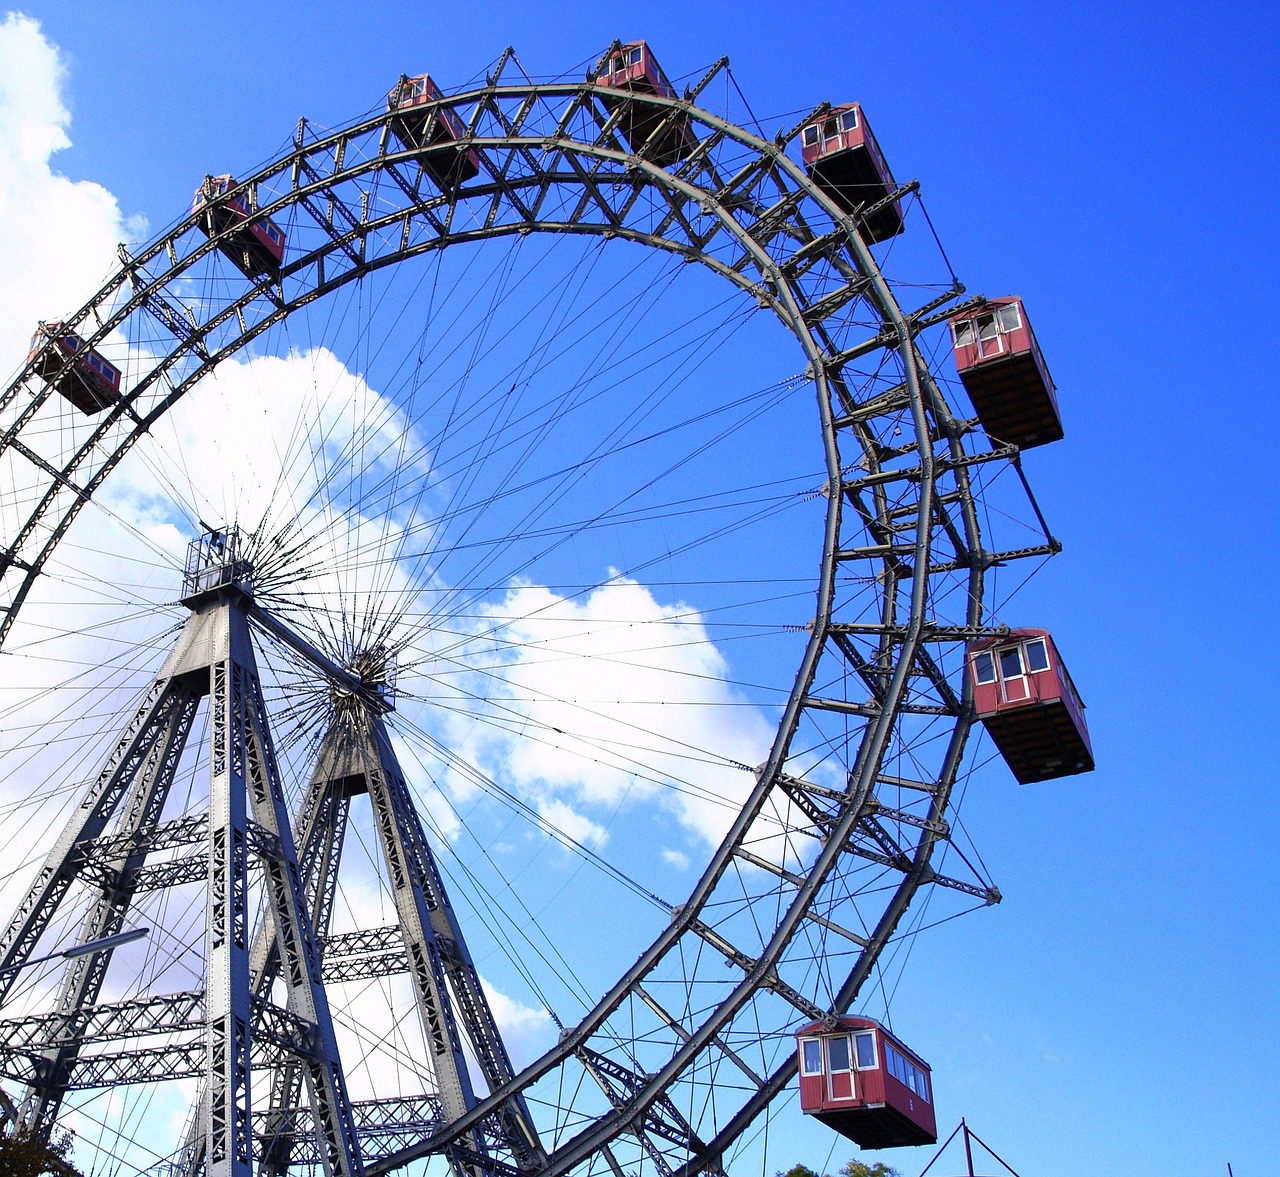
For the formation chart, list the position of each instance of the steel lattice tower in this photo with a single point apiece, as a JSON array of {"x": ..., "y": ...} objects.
[{"x": 292, "y": 1047}]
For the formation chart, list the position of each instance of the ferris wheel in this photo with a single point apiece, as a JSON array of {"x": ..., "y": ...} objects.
[{"x": 501, "y": 596}]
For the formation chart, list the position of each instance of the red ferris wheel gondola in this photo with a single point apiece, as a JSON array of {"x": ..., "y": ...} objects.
[
  {"x": 255, "y": 244},
  {"x": 1027, "y": 702},
  {"x": 419, "y": 126},
  {"x": 663, "y": 136},
  {"x": 843, "y": 158},
  {"x": 90, "y": 383},
  {"x": 1005, "y": 375},
  {"x": 862, "y": 1081}
]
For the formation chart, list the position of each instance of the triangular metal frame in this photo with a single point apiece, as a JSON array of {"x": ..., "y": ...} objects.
[
  {"x": 356, "y": 756},
  {"x": 247, "y": 822}
]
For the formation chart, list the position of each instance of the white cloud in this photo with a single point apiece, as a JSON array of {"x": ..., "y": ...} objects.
[
  {"x": 577, "y": 826},
  {"x": 58, "y": 237},
  {"x": 526, "y": 1030},
  {"x": 676, "y": 858},
  {"x": 239, "y": 439},
  {"x": 609, "y": 701}
]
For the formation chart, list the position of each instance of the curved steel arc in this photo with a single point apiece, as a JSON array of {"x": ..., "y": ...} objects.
[
  {"x": 777, "y": 286},
  {"x": 786, "y": 307},
  {"x": 870, "y": 755}
]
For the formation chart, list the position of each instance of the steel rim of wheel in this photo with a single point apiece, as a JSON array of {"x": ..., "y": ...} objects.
[{"x": 877, "y": 705}]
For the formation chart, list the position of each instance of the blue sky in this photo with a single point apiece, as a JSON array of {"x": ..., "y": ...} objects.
[{"x": 1115, "y": 167}]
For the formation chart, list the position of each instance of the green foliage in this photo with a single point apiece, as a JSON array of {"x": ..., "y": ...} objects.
[
  {"x": 27, "y": 1154},
  {"x": 857, "y": 1168},
  {"x": 798, "y": 1171},
  {"x": 851, "y": 1168}
]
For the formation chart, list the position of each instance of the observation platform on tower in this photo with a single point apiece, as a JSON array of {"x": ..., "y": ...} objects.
[{"x": 215, "y": 563}]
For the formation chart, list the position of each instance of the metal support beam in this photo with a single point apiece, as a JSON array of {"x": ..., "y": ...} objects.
[{"x": 446, "y": 985}]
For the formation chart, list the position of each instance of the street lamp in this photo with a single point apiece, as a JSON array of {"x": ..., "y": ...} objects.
[{"x": 100, "y": 945}]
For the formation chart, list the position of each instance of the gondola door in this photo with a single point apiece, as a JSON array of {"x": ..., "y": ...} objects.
[
  {"x": 840, "y": 1068},
  {"x": 1013, "y": 675}
]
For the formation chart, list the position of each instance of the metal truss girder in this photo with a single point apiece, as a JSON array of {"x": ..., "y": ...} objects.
[
  {"x": 104, "y": 1022},
  {"x": 882, "y": 812},
  {"x": 923, "y": 319},
  {"x": 661, "y": 1118},
  {"x": 300, "y": 960},
  {"x": 591, "y": 192},
  {"x": 834, "y": 302},
  {"x": 928, "y": 668},
  {"x": 321, "y": 823},
  {"x": 265, "y": 843},
  {"x": 923, "y": 314},
  {"x": 191, "y": 830},
  {"x": 730, "y": 192},
  {"x": 872, "y": 676},
  {"x": 899, "y": 861},
  {"x": 915, "y": 473},
  {"x": 181, "y": 326},
  {"x": 929, "y": 631},
  {"x": 147, "y": 1065},
  {"x": 876, "y": 679},
  {"x": 512, "y": 129},
  {"x": 883, "y": 340},
  {"x": 180, "y": 871},
  {"x": 803, "y": 793},
  {"x": 845, "y": 707},
  {"x": 897, "y": 515},
  {"x": 988, "y": 894},
  {"x": 152, "y": 1064},
  {"x": 867, "y": 211},
  {"x": 365, "y": 940},
  {"x": 893, "y": 854},
  {"x": 994, "y": 559},
  {"x": 341, "y": 238},
  {"x": 446, "y": 984},
  {"x": 83, "y": 979},
  {"x": 769, "y": 979},
  {"x": 366, "y": 968},
  {"x": 276, "y": 1032},
  {"x": 25, "y": 451},
  {"x": 884, "y": 551},
  {"x": 365, "y": 954},
  {"x": 90, "y": 818},
  {"x": 701, "y": 161},
  {"x": 383, "y": 1125},
  {"x": 892, "y": 400},
  {"x": 823, "y": 249}
]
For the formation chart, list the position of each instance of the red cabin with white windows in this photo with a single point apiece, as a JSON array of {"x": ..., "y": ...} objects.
[
  {"x": 90, "y": 383},
  {"x": 1005, "y": 375},
  {"x": 859, "y": 1079},
  {"x": 661, "y": 135},
  {"x": 1027, "y": 702},
  {"x": 843, "y": 158},
  {"x": 253, "y": 242},
  {"x": 419, "y": 125}
]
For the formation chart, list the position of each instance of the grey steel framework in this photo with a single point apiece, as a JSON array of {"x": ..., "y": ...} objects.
[{"x": 672, "y": 1052}]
